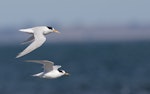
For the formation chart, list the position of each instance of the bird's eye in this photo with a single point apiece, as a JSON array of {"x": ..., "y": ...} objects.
[{"x": 49, "y": 27}]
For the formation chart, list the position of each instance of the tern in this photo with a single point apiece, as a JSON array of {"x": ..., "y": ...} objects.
[
  {"x": 38, "y": 38},
  {"x": 51, "y": 71}
]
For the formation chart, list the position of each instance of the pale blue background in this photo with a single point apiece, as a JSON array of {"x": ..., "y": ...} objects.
[
  {"x": 68, "y": 12},
  {"x": 104, "y": 45}
]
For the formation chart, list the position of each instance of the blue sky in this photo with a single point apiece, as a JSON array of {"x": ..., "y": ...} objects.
[{"x": 19, "y": 12}]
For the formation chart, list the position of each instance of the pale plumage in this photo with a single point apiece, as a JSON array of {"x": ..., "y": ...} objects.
[
  {"x": 50, "y": 70},
  {"x": 38, "y": 38}
]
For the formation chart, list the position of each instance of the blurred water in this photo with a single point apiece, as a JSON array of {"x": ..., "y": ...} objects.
[{"x": 95, "y": 68}]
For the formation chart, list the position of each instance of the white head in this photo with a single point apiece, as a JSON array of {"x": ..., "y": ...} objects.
[
  {"x": 51, "y": 29},
  {"x": 63, "y": 72}
]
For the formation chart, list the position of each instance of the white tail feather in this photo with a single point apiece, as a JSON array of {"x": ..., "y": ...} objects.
[
  {"x": 26, "y": 30},
  {"x": 39, "y": 74}
]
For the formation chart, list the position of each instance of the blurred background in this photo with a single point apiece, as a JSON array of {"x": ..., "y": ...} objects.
[{"x": 104, "y": 45}]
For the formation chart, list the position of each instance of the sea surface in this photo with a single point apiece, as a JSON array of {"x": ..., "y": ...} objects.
[{"x": 95, "y": 68}]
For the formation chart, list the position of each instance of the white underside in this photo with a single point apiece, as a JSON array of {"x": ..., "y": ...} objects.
[{"x": 49, "y": 75}]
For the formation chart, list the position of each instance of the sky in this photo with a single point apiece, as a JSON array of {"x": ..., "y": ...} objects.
[{"x": 68, "y": 12}]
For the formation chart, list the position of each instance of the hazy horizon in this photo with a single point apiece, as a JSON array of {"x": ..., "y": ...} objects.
[
  {"x": 78, "y": 21},
  {"x": 83, "y": 33}
]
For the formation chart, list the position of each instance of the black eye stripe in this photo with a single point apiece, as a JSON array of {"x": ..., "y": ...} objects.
[
  {"x": 49, "y": 27},
  {"x": 60, "y": 70}
]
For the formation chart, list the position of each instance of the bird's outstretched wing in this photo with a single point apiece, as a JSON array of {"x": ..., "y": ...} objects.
[
  {"x": 30, "y": 39},
  {"x": 56, "y": 67},
  {"x": 39, "y": 39},
  {"x": 48, "y": 65}
]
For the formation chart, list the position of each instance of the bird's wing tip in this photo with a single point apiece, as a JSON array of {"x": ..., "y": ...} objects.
[
  {"x": 21, "y": 30},
  {"x": 17, "y": 56}
]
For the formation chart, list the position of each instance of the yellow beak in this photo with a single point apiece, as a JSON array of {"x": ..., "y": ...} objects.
[
  {"x": 67, "y": 74},
  {"x": 56, "y": 31}
]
